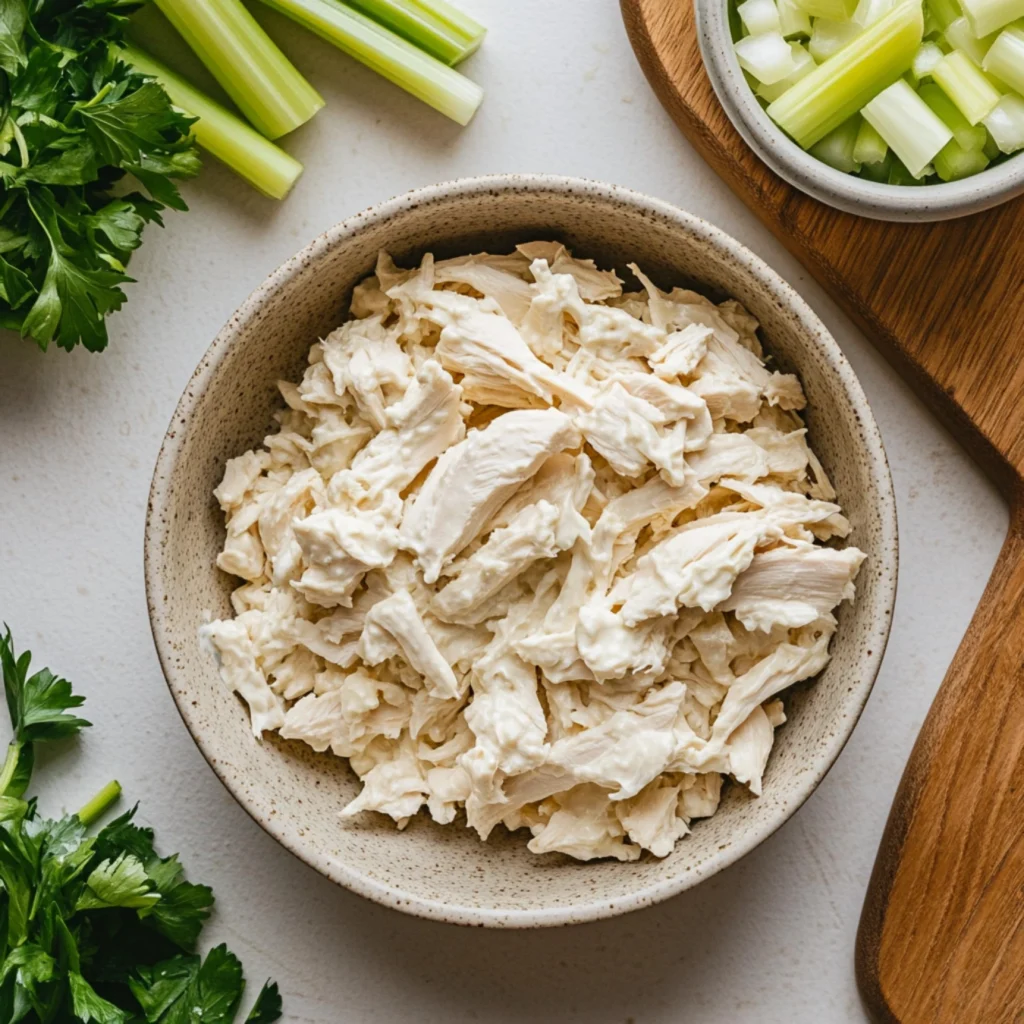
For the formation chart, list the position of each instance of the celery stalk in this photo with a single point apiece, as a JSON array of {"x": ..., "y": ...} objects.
[
  {"x": 264, "y": 165},
  {"x": 988, "y": 16},
  {"x": 242, "y": 57},
  {"x": 913, "y": 130},
  {"x": 1005, "y": 59},
  {"x": 759, "y": 16},
  {"x": 837, "y": 148},
  {"x": 869, "y": 147},
  {"x": 388, "y": 54},
  {"x": 842, "y": 85},
  {"x": 945, "y": 12},
  {"x": 433, "y": 25},
  {"x": 925, "y": 60},
  {"x": 960, "y": 36},
  {"x": 804, "y": 64},
  {"x": 829, "y": 37},
  {"x": 968, "y": 136},
  {"x": 834, "y": 10},
  {"x": 966, "y": 86},
  {"x": 1006, "y": 124},
  {"x": 767, "y": 57},
  {"x": 793, "y": 20},
  {"x": 954, "y": 162}
]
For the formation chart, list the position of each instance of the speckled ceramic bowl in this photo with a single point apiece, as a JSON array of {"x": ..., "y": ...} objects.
[
  {"x": 843, "y": 191},
  {"x": 444, "y": 872}
]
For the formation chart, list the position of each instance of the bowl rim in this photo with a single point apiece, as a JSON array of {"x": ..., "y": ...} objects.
[
  {"x": 876, "y": 462},
  {"x": 875, "y": 200}
]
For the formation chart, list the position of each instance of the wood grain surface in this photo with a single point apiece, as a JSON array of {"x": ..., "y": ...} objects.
[{"x": 941, "y": 939}]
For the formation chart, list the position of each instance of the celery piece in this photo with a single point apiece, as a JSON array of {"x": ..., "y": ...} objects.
[
  {"x": 834, "y": 10},
  {"x": 988, "y": 16},
  {"x": 837, "y": 89},
  {"x": 945, "y": 12},
  {"x": 836, "y": 149},
  {"x": 242, "y": 57},
  {"x": 1005, "y": 58},
  {"x": 925, "y": 60},
  {"x": 1006, "y": 123},
  {"x": 869, "y": 11},
  {"x": 991, "y": 148},
  {"x": 960, "y": 36},
  {"x": 225, "y": 136},
  {"x": 954, "y": 162},
  {"x": 967, "y": 135},
  {"x": 913, "y": 130},
  {"x": 878, "y": 172},
  {"x": 793, "y": 20},
  {"x": 966, "y": 86},
  {"x": 767, "y": 57},
  {"x": 899, "y": 175},
  {"x": 435, "y": 26},
  {"x": 829, "y": 37},
  {"x": 387, "y": 53},
  {"x": 759, "y": 16},
  {"x": 804, "y": 64},
  {"x": 869, "y": 147}
]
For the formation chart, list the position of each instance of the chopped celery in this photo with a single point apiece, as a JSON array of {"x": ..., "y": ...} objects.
[
  {"x": 834, "y": 10},
  {"x": 954, "y": 162},
  {"x": 829, "y": 37},
  {"x": 960, "y": 36},
  {"x": 967, "y": 135},
  {"x": 991, "y": 149},
  {"x": 945, "y": 12},
  {"x": 264, "y": 165},
  {"x": 913, "y": 130},
  {"x": 246, "y": 62},
  {"x": 837, "y": 148},
  {"x": 759, "y": 16},
  {"x": 878, "y": 172},
  {"x": 925, "y": 60},
  {"x": 387, "y": 53},
  {"x": 1006, "y": 123},
  {"x": 804, "y": 64},
  {"x": 793, "y": 20},
  {"x": 899, "y": 175},
  {"x": 966, "y": 86},
  {"x": 869, "y": 147},
  {"x": 767, "y": 57},
  {"x": 837, "y": 89},
  {"x": 869, "y": 11},
  {"x": 435, "y": 26},
  {"x": 988, "y": 16},
  {"x": 1005, "y": 58}
]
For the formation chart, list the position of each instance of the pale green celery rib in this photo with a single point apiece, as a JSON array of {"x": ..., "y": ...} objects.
[
  {"x": 387, "y": 53},
  {"x": 968, "y": 136},
  {"x": 244, "y": 59},
  {"x": 265, "y": 166},
  {"x": 841, "y": 86},
  {"x": 966, "y": 86},
  {"x": 1005, "y": 59},
  {"x": 435, "y": 26},
  {"x": 988, "y": 16}
]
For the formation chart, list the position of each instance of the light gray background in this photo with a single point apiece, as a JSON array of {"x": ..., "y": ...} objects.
[{"x": 769, "y": 940}]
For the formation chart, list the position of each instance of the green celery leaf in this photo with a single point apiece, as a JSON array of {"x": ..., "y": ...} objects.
[
  {"x": 213, "y": 995},
  {"x": 120, "y": 223},
  {"x": 88, "y": 1006},
  {"x": 157, "y": 988},
  {"x": 37, "y": 704},
  {"x": 13, "y": 18},
  {"x": 118, "y": 883},
  {"x": 267, "y": 1007},
  {"x": 76, "y": 165},
  {"x": 15, "y": 286},
  {"x": 37, "y": 88}
]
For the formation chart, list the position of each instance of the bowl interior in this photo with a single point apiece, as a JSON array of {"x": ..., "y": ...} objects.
[{"x": 295, "y": 794}]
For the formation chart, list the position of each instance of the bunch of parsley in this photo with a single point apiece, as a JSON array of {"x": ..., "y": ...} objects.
[
  {"x": 74, "y": 121},
  {"x": 95, "y": 925}
]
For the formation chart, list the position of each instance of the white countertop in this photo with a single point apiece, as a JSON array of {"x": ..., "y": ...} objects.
[{"x": 769, "y": 940}]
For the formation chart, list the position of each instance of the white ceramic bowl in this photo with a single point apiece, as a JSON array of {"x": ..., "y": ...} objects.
[
  {"x": 843, "y": 191},
  {"x": 295, "y": 794}
]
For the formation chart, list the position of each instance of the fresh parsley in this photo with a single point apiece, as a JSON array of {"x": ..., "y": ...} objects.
[
  {"x": 75, "y": 120},
  {"x": 96, "y": 926}
]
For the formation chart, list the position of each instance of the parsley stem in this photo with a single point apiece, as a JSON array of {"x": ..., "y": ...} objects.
[{"x": 99, "y": 803}]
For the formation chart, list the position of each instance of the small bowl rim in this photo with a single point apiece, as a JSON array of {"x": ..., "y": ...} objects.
[
  {"x": 875, "y": 200},
  {"x": 876, "y": 462}
]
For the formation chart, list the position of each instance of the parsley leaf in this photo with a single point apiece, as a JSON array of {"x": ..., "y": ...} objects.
[
  {"x": 96, "y": 926},
  {"x": 75, "y": 119}
]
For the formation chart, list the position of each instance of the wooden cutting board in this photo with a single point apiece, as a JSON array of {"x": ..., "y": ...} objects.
[{"x": 941, "y": 938}]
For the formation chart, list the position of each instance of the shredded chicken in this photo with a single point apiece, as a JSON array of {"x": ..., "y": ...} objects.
[{"x": 530, "y": 550}]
